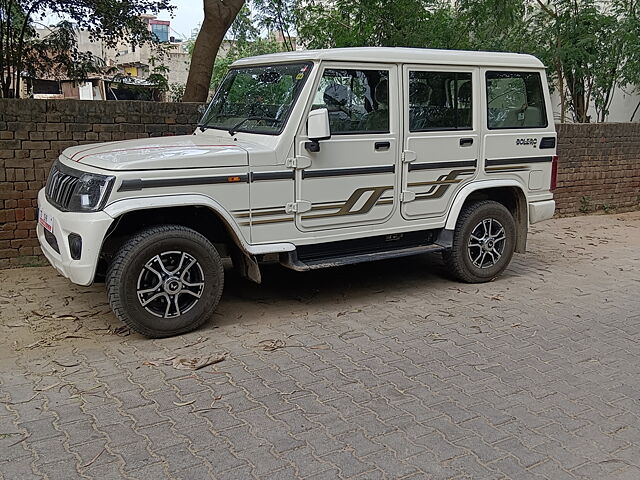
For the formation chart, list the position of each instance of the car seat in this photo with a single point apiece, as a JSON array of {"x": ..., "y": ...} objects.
[{"x": 336, "y": 98}]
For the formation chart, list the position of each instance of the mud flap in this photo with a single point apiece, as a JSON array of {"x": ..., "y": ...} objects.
[{"x": 246, "y": 265}]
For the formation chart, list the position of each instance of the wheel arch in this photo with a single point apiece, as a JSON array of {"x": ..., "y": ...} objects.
[
  {"x": 506, "y": 192},
  {"x": 199, "y": 212},
  {"x": 181, "y": 210}
]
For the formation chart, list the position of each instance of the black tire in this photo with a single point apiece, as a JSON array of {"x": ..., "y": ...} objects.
[
  {"x": 135, "y": 268},
  {"x": 460, "y": 258}
]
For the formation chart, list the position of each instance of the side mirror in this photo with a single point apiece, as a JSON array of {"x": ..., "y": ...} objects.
[{"x": 317, "y": 129}]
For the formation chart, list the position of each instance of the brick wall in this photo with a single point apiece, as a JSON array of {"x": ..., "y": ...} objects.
[
  {"x": 599, "y": 167},
  {"x": 34, "y": 132}
]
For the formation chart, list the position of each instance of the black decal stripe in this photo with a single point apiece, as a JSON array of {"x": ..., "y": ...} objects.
[
  {"x": 440, "y": 165},
  {"x": 139, "y": 184},
  {"x": 338, "y": 172},
  {"x": 516, "y": 161},
  {"x": 281, "y": 175}
]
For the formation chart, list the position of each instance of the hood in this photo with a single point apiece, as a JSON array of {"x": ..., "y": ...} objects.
[{"x": 184, "y": 151}]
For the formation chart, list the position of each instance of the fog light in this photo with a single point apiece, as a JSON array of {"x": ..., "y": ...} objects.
[{"x": 75, "y": 246}]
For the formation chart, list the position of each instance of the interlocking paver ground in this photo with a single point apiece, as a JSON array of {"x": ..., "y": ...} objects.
[{"x": 382, "y": 370}]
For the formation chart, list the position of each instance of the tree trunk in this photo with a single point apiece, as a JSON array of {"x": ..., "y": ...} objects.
[
  {"x": 218, "y": 17},
  {"x": 580, "y": 107}
]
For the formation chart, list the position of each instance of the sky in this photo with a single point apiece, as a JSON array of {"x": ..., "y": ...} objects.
[{"x": 187, "y": 15}]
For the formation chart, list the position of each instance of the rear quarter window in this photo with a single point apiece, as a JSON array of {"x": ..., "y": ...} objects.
[{"x": 515, "y": 100}]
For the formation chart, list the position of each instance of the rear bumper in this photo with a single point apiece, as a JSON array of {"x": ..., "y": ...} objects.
[
  {"x": 91, "y": 227},
  {"x": 539, "y": 211}
]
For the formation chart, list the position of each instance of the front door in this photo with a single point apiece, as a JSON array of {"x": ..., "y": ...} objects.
[
  {"x": 441, "y": 138},
  {"x": 351, "y": 181}
]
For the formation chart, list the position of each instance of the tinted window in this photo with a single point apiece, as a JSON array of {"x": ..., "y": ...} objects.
[
  {"x": 357, "y": 100},
  {"x": 440, "y": 101},
  {"x": 256, "y": 99},
  {"x": 515, "y": 100}
]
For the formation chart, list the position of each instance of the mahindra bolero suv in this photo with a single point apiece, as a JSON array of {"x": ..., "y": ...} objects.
[{"x": 317, "y": 158}]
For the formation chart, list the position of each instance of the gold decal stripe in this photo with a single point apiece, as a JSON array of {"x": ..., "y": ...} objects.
[
  {"x": 443, "y": 183},
  {"x": 435, "y": 182},
  {"x": 262, "y": 213},
  {"x": 345, "y": 209},
  {"x": 270, "y": 220},
  {"x": 517, "y": 168}
]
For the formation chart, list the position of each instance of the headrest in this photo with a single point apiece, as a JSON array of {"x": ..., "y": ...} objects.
[
  {"x": 336, "y": 95},
  {"x": 382, "y": 92}
]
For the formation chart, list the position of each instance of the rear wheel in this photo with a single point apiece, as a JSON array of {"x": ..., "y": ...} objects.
[
  {"x": 165, "y": 281},
  {"x": 483, "y": 242}
]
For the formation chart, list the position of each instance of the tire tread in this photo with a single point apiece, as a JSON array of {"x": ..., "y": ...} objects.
[
  {"x": 121, "y": 259},
  {"x": 453, "y": 258}
]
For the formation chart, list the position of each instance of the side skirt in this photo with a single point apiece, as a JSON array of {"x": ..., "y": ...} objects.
[{"x": 348, "y": 252}]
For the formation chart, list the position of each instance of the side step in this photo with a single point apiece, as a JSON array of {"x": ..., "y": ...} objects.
[{"x": 291, "y": 260}]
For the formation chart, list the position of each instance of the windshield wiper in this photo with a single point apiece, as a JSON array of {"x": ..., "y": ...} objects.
[{"x": 234, "y": 129}]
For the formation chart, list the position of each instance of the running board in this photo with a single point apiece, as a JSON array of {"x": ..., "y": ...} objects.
[{"x": 291, "y": 260}]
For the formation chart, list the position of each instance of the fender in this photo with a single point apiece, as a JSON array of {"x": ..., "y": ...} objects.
[
  {"x": 464, "y": 193},
  {"x": 120, "y": 207}
]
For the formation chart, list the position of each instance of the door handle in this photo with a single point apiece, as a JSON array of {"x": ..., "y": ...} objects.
[
  {"x": 382, "y": 145},
  {"x": 466, "y": 142}
]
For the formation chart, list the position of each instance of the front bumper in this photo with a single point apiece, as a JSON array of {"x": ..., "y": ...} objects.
[
  {"x": 91, "y": 227},
  {"x": 539, "y": 211}
]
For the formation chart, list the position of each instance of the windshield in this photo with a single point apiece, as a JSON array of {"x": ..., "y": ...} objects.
[{"x": 256, "y": 99}]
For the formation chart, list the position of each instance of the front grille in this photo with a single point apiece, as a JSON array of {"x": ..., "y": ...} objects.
[{"x": 60, "y": 186}]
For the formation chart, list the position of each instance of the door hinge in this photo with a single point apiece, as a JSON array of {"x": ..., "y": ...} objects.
[
  {"x": 409, "y": 156},
  {"x": 406, "y": 196},
  {"x": 298, "y": 162},
  {"x": 300, "y": 206}
]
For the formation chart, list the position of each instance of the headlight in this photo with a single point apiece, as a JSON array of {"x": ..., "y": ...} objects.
[{"x": 90, "y": 193}]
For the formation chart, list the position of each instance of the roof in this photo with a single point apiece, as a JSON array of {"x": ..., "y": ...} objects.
[{"x": 400, "y": 55}]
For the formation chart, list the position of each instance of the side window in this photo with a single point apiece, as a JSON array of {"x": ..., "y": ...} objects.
[
  {"x": 440, "y": 101},
  {"x": 357, "y": 100},
  {"x": 515, "y": 100}
]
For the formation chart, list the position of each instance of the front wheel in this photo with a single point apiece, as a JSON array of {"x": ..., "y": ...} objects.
[
  {"x": 483, "y": 242},
  {"x": 165, "y": 281}
]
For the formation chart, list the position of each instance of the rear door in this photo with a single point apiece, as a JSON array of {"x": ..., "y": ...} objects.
[
  {"x": 351, "y": 181},
  {"x": 521, "y": 140},
  {"x": 441, "y": 138}
]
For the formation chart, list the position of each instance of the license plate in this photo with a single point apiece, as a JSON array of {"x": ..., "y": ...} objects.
[{"x": 46, "y": 221}]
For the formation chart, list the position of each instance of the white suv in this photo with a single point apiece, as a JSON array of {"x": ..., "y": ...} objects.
[{"x": 324, "y": 158}]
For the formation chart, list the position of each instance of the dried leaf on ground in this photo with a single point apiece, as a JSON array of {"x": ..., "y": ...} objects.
[
  {"x": 65, "y": 364},
  {"x": 94, "y": 458},
  {"x": 184, "y": 404},
  {"x": 121, "y": 331},
  {"x": 65, "y": 316},
  {"x": 196, "y": 342},
  {"x": 21, "y": 402},
  {"x": 49, "y": 387},
  {"x": 195, "y": 363},
  {"x": 436, "y": 337},
  {"x": 20, "y": 441},
  {"x": 271, "y": 345}
]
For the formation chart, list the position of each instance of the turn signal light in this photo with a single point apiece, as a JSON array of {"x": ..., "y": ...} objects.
[{"x": 233, "y": 179}]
